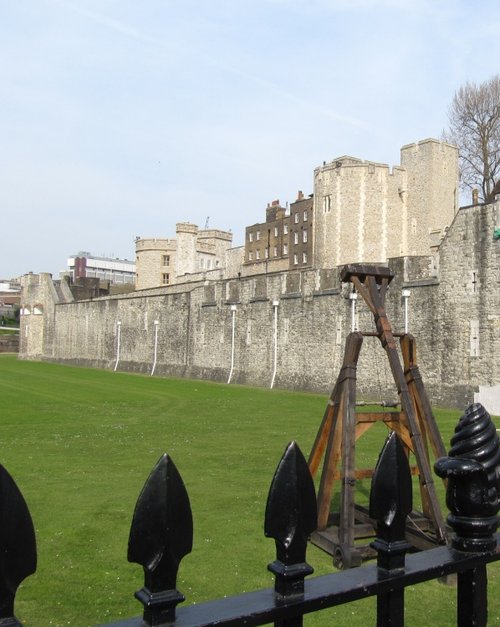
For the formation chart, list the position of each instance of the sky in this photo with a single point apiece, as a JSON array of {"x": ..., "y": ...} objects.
[{"x": 120, "y": 118}]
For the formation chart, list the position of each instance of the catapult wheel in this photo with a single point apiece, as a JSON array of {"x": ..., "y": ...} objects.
[{"x": 345, "y": 556}]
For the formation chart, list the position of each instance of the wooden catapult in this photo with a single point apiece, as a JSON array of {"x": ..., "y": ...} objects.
[{"x": 342, "y": 533}]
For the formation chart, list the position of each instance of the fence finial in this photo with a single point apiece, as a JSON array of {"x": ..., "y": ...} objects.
[
  {"x": 290, "y": 519},
  {"x": 473, "y": 472},
  {"x": 17, "y": 545},
  {"x": 161, "y": 534},
  {"x": 390, "y": 503}
]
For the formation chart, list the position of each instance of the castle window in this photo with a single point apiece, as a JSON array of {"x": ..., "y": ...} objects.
[
  {"x": 257, "y": 254},
  {"x": 285, "y": 229},
  {"x": 165, "y": 278},
  {"x": 304, "y": 257},
  {"x": 327, "y": 203},
  {"x": 257, "y": 235},
  {"x": 285, "y": 249},
  {"x": 276, "y": 231},
  {"x": 250, "y": 256},
  {"x": 295, "y": 238},
  {"x": 266, "y": 253},
  {"x": 250, "y": 237},
  {"x": 474, "y": 338},
  {"x": 166, "y": 260},
  {"x": 275, "y": 251},
  {"x": 304, "y": 236},
  {"x": 295, "y": 258},
  {"x": 296, "y": 218},
  {"x": 305, "y": 216}
]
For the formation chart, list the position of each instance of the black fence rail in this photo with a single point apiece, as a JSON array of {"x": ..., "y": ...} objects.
[{"x": 162, "y": 531}]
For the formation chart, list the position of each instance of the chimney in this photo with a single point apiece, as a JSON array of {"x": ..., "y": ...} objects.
[
  {"x": 475, "y": 196},
  {"x": 300, "y": 195}
]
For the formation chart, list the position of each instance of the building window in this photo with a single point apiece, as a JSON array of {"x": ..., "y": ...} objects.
[
  {"x": 209, "y": 264},
  {"x": 276, "y": 231},
  {"x": 250, "y": 256},
  {"x": 257, "y": 254},
  {"x": 305, "y": 215},
  {"x": 285, "y": 229},
  {"x": 165, "y": 278},
  {"x": 166, "y": 260},
  {"x": 285, "y": 249},
  {"x": 266, "y": 253},
  {"x": 275, "y": 251},
  {"x": 296, "y": 218},
  {"x": 304, "y": 257},
  {"x": 295, "y": 238},
  {"x": 327, "y": 203},
  {"x": 250, "y": 237},
  {"x": 257, "y": 235},
  {"x": 304, "y": 236},
  {"x": 295, "y": 258}
]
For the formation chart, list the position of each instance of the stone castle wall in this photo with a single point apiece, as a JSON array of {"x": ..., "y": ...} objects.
[
  {"x": 9, "y": 343},
  {"x": 454, "y": 315}
]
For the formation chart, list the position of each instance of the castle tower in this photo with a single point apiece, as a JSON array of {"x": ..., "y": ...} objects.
[
  {"x": 155, "y": 262},
  {"x": 432, "y": 170},
  {"x": 359, "y": 212},
  {"x": 187, "y": 235},
  {"x": 216, "y": 241}
]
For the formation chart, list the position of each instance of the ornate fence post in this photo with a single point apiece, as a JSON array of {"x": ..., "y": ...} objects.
[
  {"x": 160, "y": 536},
  {"x": 17, "y": 546},
  {"x": 472, "y": 496},
  {"x": 390, "y": 504},
  {"x": 290, "y": 519}
]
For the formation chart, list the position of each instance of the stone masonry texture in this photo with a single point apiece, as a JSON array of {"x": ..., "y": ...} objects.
[{"x": 454, "y": 314}]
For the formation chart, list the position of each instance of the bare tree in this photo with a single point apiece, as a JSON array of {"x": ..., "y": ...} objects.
[{"x": 474, "y": 118}]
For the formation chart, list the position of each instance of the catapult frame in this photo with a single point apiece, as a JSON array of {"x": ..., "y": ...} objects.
[{"x": 340, "y": 533}]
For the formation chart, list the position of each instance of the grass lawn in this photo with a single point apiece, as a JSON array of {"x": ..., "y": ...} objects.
[{"x": 80, "y": 443}]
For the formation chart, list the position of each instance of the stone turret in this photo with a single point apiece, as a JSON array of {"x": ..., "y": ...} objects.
[{"x": 187, "y": 235}]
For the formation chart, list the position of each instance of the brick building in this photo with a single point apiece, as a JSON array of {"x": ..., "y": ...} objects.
[{"x": 283, "y": 241}]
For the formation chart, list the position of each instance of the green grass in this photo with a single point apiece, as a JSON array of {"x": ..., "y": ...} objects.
[{"x": 80, "y": 444}]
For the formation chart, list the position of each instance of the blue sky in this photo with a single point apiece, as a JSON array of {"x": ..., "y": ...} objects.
[{"x": 120, "y": 118}]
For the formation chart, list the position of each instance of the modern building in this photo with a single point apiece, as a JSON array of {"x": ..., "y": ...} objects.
[
  {"x": 116, "y": 271},
  {"x": 10, "y": 297}
]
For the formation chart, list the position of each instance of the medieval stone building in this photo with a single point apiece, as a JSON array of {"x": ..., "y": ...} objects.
[
  {"x": 168, "y": 261},
  {"x": 287, "y": 327}
]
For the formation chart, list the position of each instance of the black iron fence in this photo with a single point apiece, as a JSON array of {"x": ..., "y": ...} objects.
[{"x": 162, "y": 531}]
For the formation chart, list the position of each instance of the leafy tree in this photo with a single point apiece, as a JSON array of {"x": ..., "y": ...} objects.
[{"x": 474, "y": 126}]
